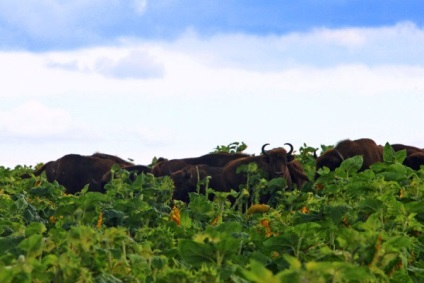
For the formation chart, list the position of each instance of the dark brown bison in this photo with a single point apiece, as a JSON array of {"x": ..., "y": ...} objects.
[
  {"x": 167, "y": 167},
  {"x": 186, "y": 180},
  {"x": 415, "y": 160},
  {"x": 273, "y": 163},
  {"x": 332, "y": 158},
  {"x": 114, "y": 158},
  {"x": 409, "y": 149},
  {"x": 414, "y": 155},
  {"x": 297, "y": 174},
  {"x": 74, "y": 171}
]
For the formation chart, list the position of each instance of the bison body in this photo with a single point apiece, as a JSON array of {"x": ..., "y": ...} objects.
[
  {"x": 367, "y": 148},
  {"x": 186, "y": 180},
  {"x": 409, "y": 149},
  {"x": 297, "y": 174},
  {"x": 272, "y": 163},
  {"x": 414, "y": 155},
  {"x": 167, "y": 167},
  {"x": 414, "y": 160},
  {"x": 74, "y": 171}
]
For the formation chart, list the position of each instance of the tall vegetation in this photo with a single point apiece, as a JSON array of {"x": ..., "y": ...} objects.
[{"x": 348, "y": 226}]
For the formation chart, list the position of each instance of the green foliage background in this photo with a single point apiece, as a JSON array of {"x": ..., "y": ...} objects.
[{"x": 345, "y": 227}]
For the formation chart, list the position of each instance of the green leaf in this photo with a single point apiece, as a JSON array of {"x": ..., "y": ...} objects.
[
  {"x": 195, "y": 253},
  {"x": 284, "y": 242},
  {"x": 304, "y": 229},
  {"x": 35, "y": 228},
  {"x": 351, "y": 165},
  {"x": 112, "y": 217},
  {"x": 6, "y": 274},
  {"x": 32, "y": 245},
  {"x": 185, "y": 219},
  {"x": 388, "y": 153},
  {"x": 229, "y": 227},
  {"x": 9, "y": 243},
  {"x": 293, "y": 262},
  {"x": 106, "y": 278},
  {"x": 159, "y": 262},
  {"x": 259, "y": 273},
  {"x": 337, "y": 212},
  {"x": 397, "y": 243},
  {"x": 370, "y": 205},
  {"x": 394, "y": 172},
  {"x": 49, "y": 260},
  {"x": 400, "y": 156},
  {"x": 374, "y": 222}
]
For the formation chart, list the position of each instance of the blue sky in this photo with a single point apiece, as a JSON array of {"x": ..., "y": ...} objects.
[
  {"x": 49, "y": 24},
  {"x": 176, "y": 78}
]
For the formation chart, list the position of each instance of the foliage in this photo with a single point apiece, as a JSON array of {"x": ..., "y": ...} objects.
[
  {"x": 348, "y": 226},
  {"x": 234, "y": 147}
]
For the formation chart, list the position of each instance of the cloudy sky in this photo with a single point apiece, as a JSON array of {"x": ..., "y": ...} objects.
[{"x": 176, "y": 78}]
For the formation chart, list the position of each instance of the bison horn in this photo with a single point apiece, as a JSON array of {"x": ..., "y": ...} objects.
[
  {"x": 315, "y": 154},
  {"x": 263, "y": 150},
  {"x": 291, "y": 148}
]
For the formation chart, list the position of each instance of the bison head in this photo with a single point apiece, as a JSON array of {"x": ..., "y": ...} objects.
[
  {"x": 275, "y": 162},
  {"x": 331, "y": 159},
  {"x": 185, "y": 181}
]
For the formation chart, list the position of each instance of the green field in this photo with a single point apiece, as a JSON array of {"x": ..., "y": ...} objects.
[{"x": 346, "y": 227}]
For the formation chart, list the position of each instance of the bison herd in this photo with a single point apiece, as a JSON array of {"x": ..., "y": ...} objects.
[{"x": 75, "y": 171}]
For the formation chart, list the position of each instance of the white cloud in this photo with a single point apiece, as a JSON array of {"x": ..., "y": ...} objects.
[
  {"x": 196, "y": 67},
  {"x": 350, "y": 38},
  {"x": 320, "y": 47},
  {"x": 210, "y": 91},
  {"x": 34, "y": 120},
  {"x": 122, "y": 63},
  {"x": 140, "y": 6},
  {"x": 136, "y": 65}
]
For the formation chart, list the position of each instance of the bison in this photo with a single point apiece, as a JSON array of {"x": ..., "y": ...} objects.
[
  {"x": 414, "y": 155},
  {"x": 74, "y": 171},
  {"x": 297, "y": 174},
  {"x": 186, "y": 180},
  {"x": 273, "y": 163},
  {"x": 409, "y": 149},
  {"x": 332, "y": 158},
  {"x": 167, "y": 167},
  {"x": 114, "y": 158},
  {"x": 415, "y": 160}
]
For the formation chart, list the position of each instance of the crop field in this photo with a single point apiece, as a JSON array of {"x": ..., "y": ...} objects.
[{"x": 347, "y": 226}]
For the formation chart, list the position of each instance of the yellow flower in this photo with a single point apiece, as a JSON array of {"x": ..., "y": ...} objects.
[
  {"x": 305, "y": 210},
  {"x": 52, "y": 219},
  {"x": 265, "y": 224},
  {"x": 216, "y": 220},
  {"x": 175, "y": 215},
  {"x": 100, "y": 220},
  {"x": 262, "y": 208}
]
